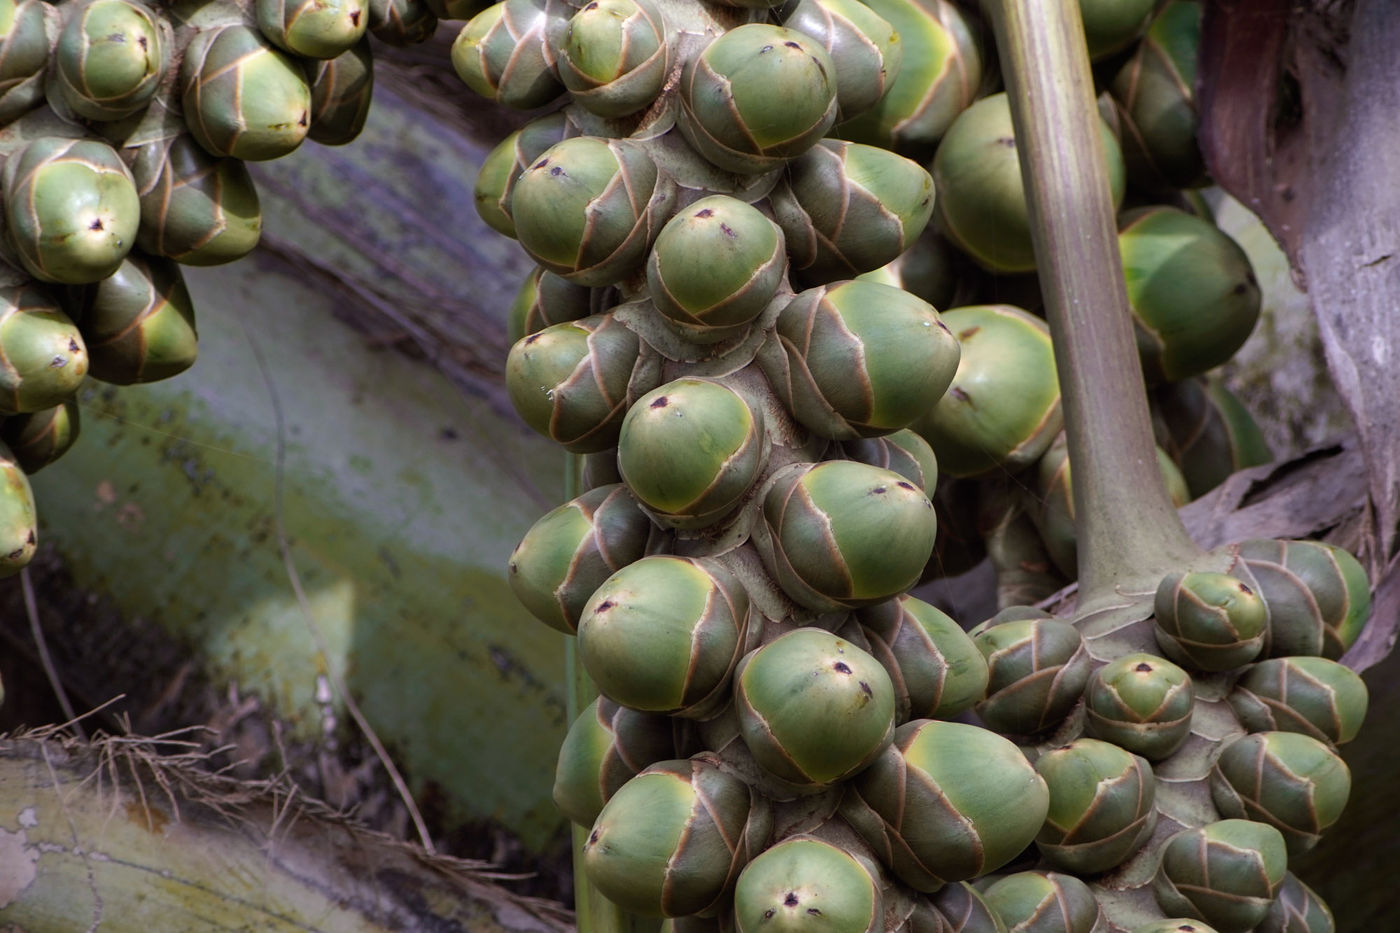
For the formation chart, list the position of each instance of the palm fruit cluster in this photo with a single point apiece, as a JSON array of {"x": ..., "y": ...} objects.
[
  {"x": 746, "y": 217},
  {"x": 124, "y": 128}
]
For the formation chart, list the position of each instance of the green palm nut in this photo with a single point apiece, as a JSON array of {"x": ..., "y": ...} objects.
[
  {"x": 18, "y": 517},
  {"x": 544, "y": 299},
  {"x": 859, "y": 359},
  {"x": 401, "y": 22},
  {"x": 1037, "y": 670},
  {"x": 946, "y": 802},
  {"x": 982, "y": 201},
  {"x": 1002, "y": 409},
  {"x": 570, "y": 381},
  {"x": 938, "y": 78},
  {"x": 1102, "y": 806},
  {"x": 1226, "y": 873},
  {"x": 71, "y": 207},
  {"x": 865, "y": 48},
  {"x": 43, "y": 359},
  {"x": 1209, "y": 621},
  {"x": 109, "y": 58},
  {"x": 690, "y": 450},
  {"x": 589, "y": 208},
  {"x": 936, "y": 669},
  {"x": 615, "y": 56},
  {"x": 572, "y": 550},
  {"x": 197, "y": 209},
  {"x": 1156, "y": 105},
  {"x": 39, "y": 438},
  {"x": 243, "y": 97},
  {"x": 842, "y": 534},
  {"x": 1313, "y": 696},
  {"x": 1142, "y": 703},
  {"x": 1317, "y": 595},
  {"x": 1044, "y": 902},
  {"x": 757, "y": 96},
  {"x": 964, "y": 910},
  {"x": 495, "y": 183},
  {"x": 663, "y": 635},
  {"x": 606, "y": 747},
  {"x": 847, "y": 208},
  {"x": 1112, "y": 25},
  {"x": 341, "y": 91},
  {"x": 903, "y": 452},
  {"x": 1295, "y": 783},
  {"x": 1184, "y": 332},
  {"x": 1297, "y": 909},
  {"x": 1173, "y": 925},
  {"x": 813, "y": 708},
  {"x": 714, "y": 268},
  {"x": 1209, "y": 432},
  {"x": 503, "y": 54},
  {"x": 138, "y": 323},
  {"x": 807, "y": 884},
  {"x": 24, "y": 51},
  {"x": 320, "y": 29},
  {"x": 673, "y": 839}
]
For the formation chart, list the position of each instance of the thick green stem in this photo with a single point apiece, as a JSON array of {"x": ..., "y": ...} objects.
[{"x": 1127, "y": 528}]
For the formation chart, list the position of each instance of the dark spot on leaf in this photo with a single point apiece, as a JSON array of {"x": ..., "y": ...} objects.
[
  {"x": 903, "y": 485},
  {"x": 728, "y": 230},
  {"x": 1240, "y": 289},
  {"x": 1143, "y": 668},
  {"x": 29, "y": 539},
  {"x": 768, "y": 914},
  {"x": 593, "y": 837},
  {"x": 58, "y": 362},
  {"x": 814, "y": 912},
  {"x": 73, "y": 345},
  {"x": 1288, "y": 194},
  {"x": 766, "y": 48},
  {"x": 541, "y": 163},
  {"x": 305, "y": 119},
  {"x": 354, "y": 20},
  {"x": 705, "y": 212},
  {"x": 662, "y": 402},
  {"x": 605, "y": 605},
  {"x": 865, "y": 689},
  {"x": 1246, "y": 590},
  {"x": 969, "y": 333},
  {"x": 1007, "y": 141},
  {"x": 144, "y": 45},
  {"x": 557, "y": 170},
  {"x": 960, "y": 394},
  {"x": 790, "y": 900},
  {"x": 96, "y": 224},
  {"x": 880, "y": 490},
  {"x": 592, "y": 6},
  {"x": 531, "y": 339},
  {"x": 841, "y": 667},
  {"x": 792, "y": 45}
]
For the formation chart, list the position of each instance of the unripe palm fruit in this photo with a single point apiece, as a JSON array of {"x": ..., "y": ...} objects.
[
  {"x": 842, "y": 534},
  {"x": 673, "y": 839},
  {"x": 138, "y": 322},
  {"x": 109, "y": 58},
  {"x": 401, "y": 22},
  {"x": 1112, "y": 25},
  {"x": 197, "y": 209},
  {"x": 757, "y": 96},
  {"x": 902, "y": 452},
  {"x": 1183, "y": 334},
  {"x": 39, "y": 438},
  {"x": 936, "y": 669},
  {"x": 1295, "y": 783},
  {"x": 615, "y": 56},
  {"x": 1209, "y": 621},
  {"x": 42, "y": 356},
  {"x": 1142, "y": 703},
  {"x": 964, "y": 910},
  {"x": 570, "y": 381},
  {"x": 1316, "y": 593},
  {"x": 341, "y": 91},
  {"x": 589, "y": 208},
  {"x": 813, "y": 708},
  {"x": 1037, "y": 669},
  {"x": 544, "y": 299},
  {"x": 847, "y": 208},
  {"x": 572, "y": 550},
  {"x": 690, "y": 450},
  {"x": 858, "y": 359},
  {"x": 1174, "y": 925},
  {"x": 24, "y": 51},
  {"x": 714, "y": 268},
  {"x": 865, "y": 48},
  {"x": 1002, "y": 409},
  {"x": 500, "y": 170},
  {"x": 321, "y": 29},
  {"x": 981, "y": 198},
  {"x": 1102, "y": 806},
  {"x": 1156, "y": 100},
  {"x": 940, "y": 72},
  {"x": 71, "y": 207},
  {"x": 946, "y": 802},
  {"x": 1297, "y": 909},
  {"x": 18, "y": 517},
  {"x": 1044, "y": 902},
  {"x": 243, "y": 97},
  {"x": 1226, "y": 873},
  {"x": 503, "y": 54},
  {"x": 805, "y": 884},
  {"x": 1210, "y": 432},
  {"x": 606, "y": 747},
  {"x": 1312, "y": 696},
  {"x": 663, "y": 635}
]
